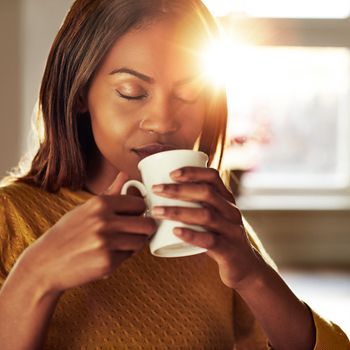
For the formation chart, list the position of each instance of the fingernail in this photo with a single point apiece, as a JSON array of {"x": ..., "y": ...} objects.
[
  {"x": 158, "y": 188},
  {"x": 176, "y": 173},
  {"x": 158, "y": 211}
]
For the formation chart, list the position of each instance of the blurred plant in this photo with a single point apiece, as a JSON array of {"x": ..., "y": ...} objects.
[
  {"x": 243, "y": 150},
  {"x": 244, "y": 146}
]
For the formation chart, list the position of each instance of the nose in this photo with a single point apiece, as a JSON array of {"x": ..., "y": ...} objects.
[{"x": 160, "y": 118}]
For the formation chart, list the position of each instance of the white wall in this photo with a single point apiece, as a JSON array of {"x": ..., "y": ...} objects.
[
  {"x": 27, "y": 29},
  {"x": 41, "y": 20},
  {"x": 10, "y": 83}
]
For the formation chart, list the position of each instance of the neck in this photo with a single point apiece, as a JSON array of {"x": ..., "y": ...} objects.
[{"x": 100, "y": 174}]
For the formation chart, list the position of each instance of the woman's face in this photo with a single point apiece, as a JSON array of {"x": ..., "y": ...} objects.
[{"x": 145, "y": 98}]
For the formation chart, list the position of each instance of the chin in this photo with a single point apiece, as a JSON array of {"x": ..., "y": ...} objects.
[{"x": 135, "y": 175}]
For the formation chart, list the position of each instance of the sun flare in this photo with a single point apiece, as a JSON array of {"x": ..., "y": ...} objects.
[{"x": 219, "y": 59}]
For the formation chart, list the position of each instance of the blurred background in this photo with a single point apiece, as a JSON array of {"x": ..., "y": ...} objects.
[{"x": 287, "y": 68}]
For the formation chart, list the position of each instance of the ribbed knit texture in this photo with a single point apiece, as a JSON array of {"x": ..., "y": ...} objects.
[{"x": 147, "y": 303}]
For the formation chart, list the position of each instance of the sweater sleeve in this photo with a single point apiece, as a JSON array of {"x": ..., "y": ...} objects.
[
  {"x": 13, "y": 234},
  {"x": 329, "y": 336},
  {"x": 4, "y": 241}
]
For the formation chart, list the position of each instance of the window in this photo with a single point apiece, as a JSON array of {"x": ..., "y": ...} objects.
[
  {"x": 282, "y": 9},
  {"x": 294, "y": 105},
  {"x": 289, "y": 102}
]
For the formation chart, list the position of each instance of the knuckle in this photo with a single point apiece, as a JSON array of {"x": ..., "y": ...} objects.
[
  {"x": 99, "y": 241},
  {"x": 101, "y": 244},
  {"x": 176, "y": 211},
  {"x": 173, "y": 188},
  {"x": 100, "y": 227},
  {"x": 139, "y": 203},
  {"x": 212, "y": 242},
  {"x": 150, "y": 225},
  {"x": 236, "y": 212},
  {"x": 100, "y": 204},
  {"x": 142, "y": 241},
  {"x": 214, "y": 174},
  {"x": 143, "y": 206},
  {"x": 105, "y": 263},
  {"x": 131, "y": 243},
  {"x": 208, "y": 216},
  {"x": 207, "y": 191}
]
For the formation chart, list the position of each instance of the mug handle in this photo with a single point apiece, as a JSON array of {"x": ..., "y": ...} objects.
[{"x": 139, "y": 185}]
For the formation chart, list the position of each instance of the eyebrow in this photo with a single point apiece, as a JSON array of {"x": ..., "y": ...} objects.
[
  {"x": 134, "y": 73},
  {"x": 187, "y": 80},
  {"x": 148, "y": 79}
]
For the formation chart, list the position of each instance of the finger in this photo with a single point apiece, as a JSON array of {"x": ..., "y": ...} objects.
[
  {"x": 126, "y": 242},
  {"x": 207, "y": 240},
  {"x": 208, "y": 175},
  {"x": 219, "y": 248},
  {"x": 131, "y": 224},
  {"x": 117, "y": 204},
  {"x": 117, "y": 184},
  {"x": 204, "y": 217},
  {"x": 202, "y": 193}
]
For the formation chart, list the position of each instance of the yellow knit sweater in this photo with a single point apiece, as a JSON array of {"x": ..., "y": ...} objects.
[{"x": 148, "y": 302}]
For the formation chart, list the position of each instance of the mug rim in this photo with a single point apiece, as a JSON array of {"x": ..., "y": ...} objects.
[{"x": 156, "y": 155}]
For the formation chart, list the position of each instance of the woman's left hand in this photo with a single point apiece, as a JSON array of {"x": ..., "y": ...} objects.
[{"x": 225, "y": 237}]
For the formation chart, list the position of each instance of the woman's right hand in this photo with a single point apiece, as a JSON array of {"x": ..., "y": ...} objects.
[{"x": 90, "y": 241}]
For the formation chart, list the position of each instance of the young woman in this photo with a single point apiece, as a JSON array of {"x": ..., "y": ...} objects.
[{"x": 123, "y": 81}]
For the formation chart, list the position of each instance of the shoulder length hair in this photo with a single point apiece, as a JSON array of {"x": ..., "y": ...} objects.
[{"x": 88, "y": 32}]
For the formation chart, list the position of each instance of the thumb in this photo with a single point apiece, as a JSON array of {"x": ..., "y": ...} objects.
[{"x": 117, "y": 184}]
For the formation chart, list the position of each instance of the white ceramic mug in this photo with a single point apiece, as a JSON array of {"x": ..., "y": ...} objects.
[{"x": 156, "y": 169}]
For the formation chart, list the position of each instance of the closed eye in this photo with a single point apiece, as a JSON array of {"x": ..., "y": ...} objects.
[
  {"x": 188, "y": 96},
  {"x": 188, "y": 101},
  {"x": 190, "y": 92},
  {"x": 131, "y": 97}
]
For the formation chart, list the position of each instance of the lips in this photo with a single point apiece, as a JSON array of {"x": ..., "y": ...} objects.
[{"x": 148, "y": 150}]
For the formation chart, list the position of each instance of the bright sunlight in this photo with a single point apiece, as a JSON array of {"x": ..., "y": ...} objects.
[
  {"x": 220, "y": 58},
  {"x": 278, "y": 8}
]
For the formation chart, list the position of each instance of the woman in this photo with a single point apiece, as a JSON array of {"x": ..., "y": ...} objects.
[{"x": 123, "y": 81}]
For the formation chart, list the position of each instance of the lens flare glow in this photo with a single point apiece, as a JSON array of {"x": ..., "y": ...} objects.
[
  {"x": 219, "y": 59},
  {"x": 278, "y": 8}
]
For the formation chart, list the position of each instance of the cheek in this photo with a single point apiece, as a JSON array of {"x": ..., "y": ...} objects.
[
  {"x": 110, "y": 126},
  {"x": 103, "y": 112},
  {"x": 193, "y": 122},
  {"x": 113, "y": 143},
  {"x": 108, "y": 138}
]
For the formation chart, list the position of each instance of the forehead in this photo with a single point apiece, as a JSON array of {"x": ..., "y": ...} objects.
[{"x": 163, "y": 47}]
